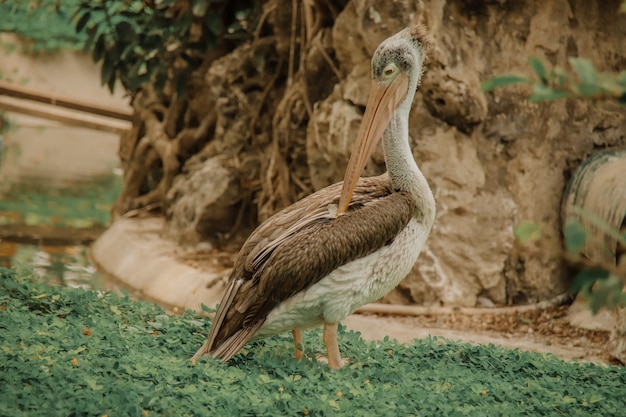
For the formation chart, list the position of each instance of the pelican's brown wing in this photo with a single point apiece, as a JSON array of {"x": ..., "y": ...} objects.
[{"x": 297, "y": 247}]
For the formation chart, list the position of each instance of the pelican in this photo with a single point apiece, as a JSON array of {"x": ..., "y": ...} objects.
[{"x": 320, "y": 259}]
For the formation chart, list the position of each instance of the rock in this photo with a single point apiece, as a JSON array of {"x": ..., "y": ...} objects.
[
  {"x": 454, "y": 98},
  {"x": 579, "y": 315},
  {"x": 330, "y": 135},
  {"x": 357, "y": 32},
  {"x": 617, "y": 344},
  {"x": 493, "y": 160},
  {"x": 203, "y": 203},
  {"x": 598, "y": 187}
]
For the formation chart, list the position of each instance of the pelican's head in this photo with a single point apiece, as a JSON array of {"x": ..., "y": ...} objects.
[
  {"x": 398, "y": 62},
  {"x": 396, "y": 71}
]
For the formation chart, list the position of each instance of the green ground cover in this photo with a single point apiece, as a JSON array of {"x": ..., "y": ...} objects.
[
  {"x": 79, "y": 205},
  {"x": 71, "y": 352},
  {"x": 47, "y": 23}
]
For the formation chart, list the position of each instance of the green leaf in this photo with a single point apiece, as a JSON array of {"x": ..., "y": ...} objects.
[
  {"x": 116, "y": 310},
  {"x": 107, "y": 69},
  {"x": 586, "y": 278},
  {"x": 575, "y": 237},
  {"x": 162, "y": 318},
  {"x": 503, "y": 81},
  {"x": 82, "y": 21},
  {"x": 584, "y": 69},
  {"x": 544, "y": 93},
  {"x": 207, "y": 309},
  {"x": 111, "y": 83},
  {"x": 569, "y": 400},
  {"x": 93, "y": 385},
  {"x": 99, "y": 49},
  {"x": 601, "y": 223},
  {"x": 595, "y": 398},
  {"x": 606, "y": 293},
  {"x": 527, "y": 232},
  {"x": 588, "y": 90},
  {"x": 125, "y": 32},
  {"x": 88, "y": 47},
  {"x": 537, "y": 65},
  {"x": 559, "y": 75}
]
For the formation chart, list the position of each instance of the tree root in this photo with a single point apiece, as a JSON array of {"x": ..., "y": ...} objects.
[{"x": 265, "y": 77}]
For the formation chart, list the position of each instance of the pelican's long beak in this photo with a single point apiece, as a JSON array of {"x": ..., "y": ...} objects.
[{"x": 381, "y": 104}]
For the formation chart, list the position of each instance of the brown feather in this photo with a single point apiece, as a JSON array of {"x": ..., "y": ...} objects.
[{"x": 297, "y": 247}]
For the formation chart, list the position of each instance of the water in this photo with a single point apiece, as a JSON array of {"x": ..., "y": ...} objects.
[
  {"x": 57, "y": 183},
  {"x": 57, "y": 187},
  {"x": 63, "y": 265}
]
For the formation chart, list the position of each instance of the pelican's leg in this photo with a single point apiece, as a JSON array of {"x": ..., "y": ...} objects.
[
  {"x": 332, "y": 348},
  {"x": 298, "y": 344}
]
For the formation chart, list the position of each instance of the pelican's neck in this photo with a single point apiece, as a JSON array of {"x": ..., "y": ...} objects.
[{"x": 403, "y": 170}]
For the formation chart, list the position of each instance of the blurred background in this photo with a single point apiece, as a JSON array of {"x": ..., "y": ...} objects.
[{"x": 58, "y": 181}]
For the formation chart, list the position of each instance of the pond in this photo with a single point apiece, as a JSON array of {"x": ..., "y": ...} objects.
[
  {"x": 56, "y": 264},
  {"x": 57, "y": 187}
]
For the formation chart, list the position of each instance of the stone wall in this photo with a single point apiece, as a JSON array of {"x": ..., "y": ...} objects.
[{"x": 492, "y": 159}]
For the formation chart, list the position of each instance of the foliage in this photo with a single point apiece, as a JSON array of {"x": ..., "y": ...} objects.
[
  {"x": 45, "y": 22},
  {"x": 76, "y": 352},
  {"x": 527, "y": 232},
  {"x": 600, "y": 283},
  {"x": 159, "y": 41},
  {"x": 78, "y": 205},
  {"x": 558, "y": 83}
]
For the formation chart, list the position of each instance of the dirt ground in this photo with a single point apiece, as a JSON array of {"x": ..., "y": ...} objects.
[{"x": 545, "y": 330}]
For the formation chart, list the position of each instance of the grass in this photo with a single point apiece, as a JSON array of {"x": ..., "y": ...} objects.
[{"x": 71, "y": 352}]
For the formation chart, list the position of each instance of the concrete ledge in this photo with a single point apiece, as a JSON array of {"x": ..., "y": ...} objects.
[{"x": 133, "y": 253}]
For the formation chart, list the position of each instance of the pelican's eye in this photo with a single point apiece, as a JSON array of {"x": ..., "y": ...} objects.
[{"x": 390, "y": 70}]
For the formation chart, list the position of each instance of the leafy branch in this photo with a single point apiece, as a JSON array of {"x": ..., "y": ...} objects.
[
  {"x": 601, "y": 283},
  {"x": 557, "y": 83},
  {"x": 44, "y": 23},
  {"x": 159, "y": 41}
]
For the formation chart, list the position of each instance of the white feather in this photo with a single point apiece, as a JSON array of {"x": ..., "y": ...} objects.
[{"x": 350, "y": 286}]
